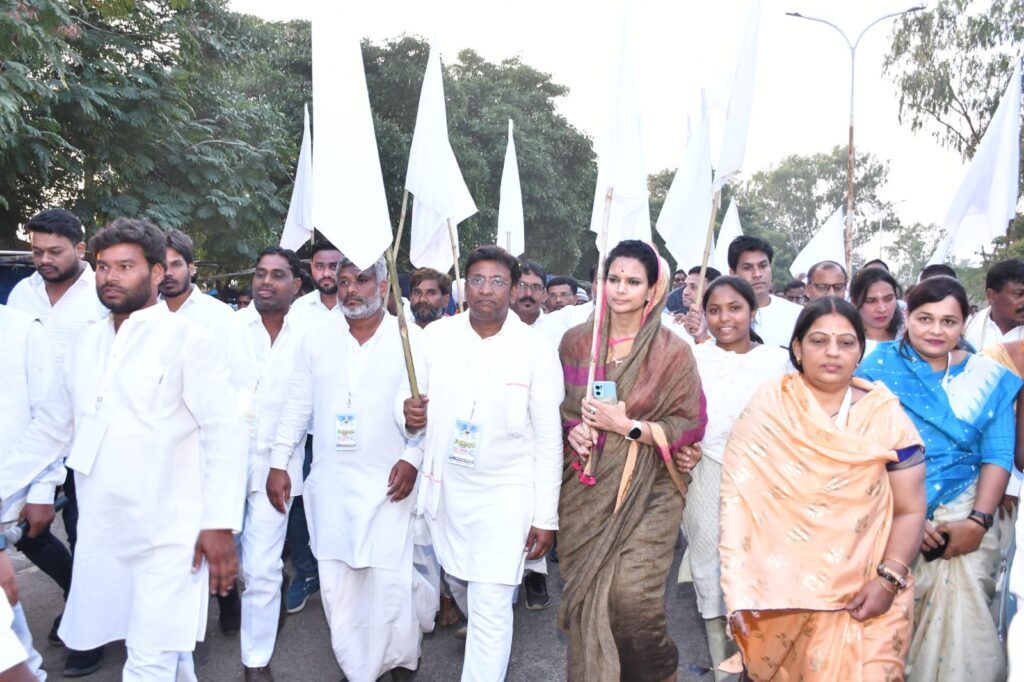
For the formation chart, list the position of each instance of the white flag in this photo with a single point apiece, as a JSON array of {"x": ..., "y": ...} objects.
[
  {"x": 730, "y": 229},
  {"x": 987, "y": 199},
  {"x": 683, "y": 221},
  {"x": 298, "y": 226},
  {"x": 621, "y": 160},
  {"x": 737, "y": 117},
  {"x": 511, "y": 229},
  {"x": 942, "y": 252},
  {"x": 827, "y": 244},
  {"x": 438, "y": 189},
  {"x": 349, "y": 205}
]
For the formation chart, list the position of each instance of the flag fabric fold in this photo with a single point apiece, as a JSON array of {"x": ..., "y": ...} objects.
[
  {"x": 511, "y": 226},
  {"x": 433, "y": 177},
  {"x": 730, "y": 229},
  {"x": 349, "y": 204},
  {"x": 737, "y": 117},
  {"x": 298, "y": 226},
  {"x": 987, "y": 199},
  {"x": 828, "y": 243}
]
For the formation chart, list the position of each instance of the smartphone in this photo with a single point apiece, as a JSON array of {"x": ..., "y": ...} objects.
[
  {"x": 937, "y": 552},
  {"x": 604, "y": 392}
]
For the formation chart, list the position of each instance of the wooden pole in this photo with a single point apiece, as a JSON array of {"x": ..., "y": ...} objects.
[
  {"x": 401, "y": 223},
  {"x": 715, "y": 204},
  {"x": 403, "y": 325},
  {"x": 455, "y": 258},
  {"x": 599, "y": 294}
]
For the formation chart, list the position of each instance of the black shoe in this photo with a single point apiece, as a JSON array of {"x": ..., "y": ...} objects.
[
  {"x": 230, "y": 612},
  {"x": 53, "y": 637},
  {"x": 536, "y": 591},
  {"x": 82, "y": 663}
]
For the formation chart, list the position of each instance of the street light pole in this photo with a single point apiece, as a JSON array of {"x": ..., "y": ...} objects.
[{"x": 849, "y": 149}]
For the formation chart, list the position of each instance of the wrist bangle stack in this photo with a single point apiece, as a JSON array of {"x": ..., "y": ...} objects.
[
  {"x": 886, "y": 585},
  {"x": 898, "y": 562},
  {"x": 892, "y": 577}
]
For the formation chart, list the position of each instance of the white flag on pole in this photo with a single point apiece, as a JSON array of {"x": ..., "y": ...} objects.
[
  {"x": 511, "y": 228},
  {"x": 942, "y": 251},
  {"x": 827, "y": 244},
  {"x": 621, "y": 159},
  {"x": 349, "y": 204},
  {"x": 434, "y": 179},
  {"x": 683, "y": 221},
  {"x": 730, "y": 229},
  {"x": 298, "y": 226},
  {"x": 987, "y": 199},
  {"x": 737, "y": 117}
]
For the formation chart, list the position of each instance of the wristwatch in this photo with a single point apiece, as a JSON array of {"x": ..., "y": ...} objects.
[
  {"x": 981, "y": 518},
  {"x": 635, "y": 432}
]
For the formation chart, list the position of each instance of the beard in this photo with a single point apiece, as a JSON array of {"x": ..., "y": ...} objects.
[
  {"x": 327, "y": 286},
  {"x": 365, "y": 309},
  {"x": 133, "y": 300},
  {"x": 170, "y": 287},
  {"x": 424, "y": 313},
  {"x": 58, "y": 275}
]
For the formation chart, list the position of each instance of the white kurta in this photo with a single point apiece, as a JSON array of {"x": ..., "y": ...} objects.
[
  {"x": 774, "y": 322},
  {"x": 554, "y": 325},
  {"x": 169, "y": 465},
  {"x": 981, "y": 331},
  {"x": 511, "y": 385}
]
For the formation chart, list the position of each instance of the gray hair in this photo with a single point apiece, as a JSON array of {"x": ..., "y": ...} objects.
[{"x": 379, "y": 267}]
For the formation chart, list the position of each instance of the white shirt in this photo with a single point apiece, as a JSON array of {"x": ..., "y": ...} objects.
[
  {"x": 79, "y": 306},
  {"x": 169, "y": 465},
  {"x": 262, "y": 373},
  {"x": 310, "y": 308},
  {"x": 209, "y": 313},
  {"x": 981, "y": 331},
  {"x": 511, "y": 385},
  {"x": 555, "y": 324},
  {"x": 345, "y": 495},
  {"x": 26, "y": 367},
  {"x": 775, "y": 322}
]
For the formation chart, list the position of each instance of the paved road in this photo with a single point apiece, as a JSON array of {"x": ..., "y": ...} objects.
[{"x": 303, "y": 650}]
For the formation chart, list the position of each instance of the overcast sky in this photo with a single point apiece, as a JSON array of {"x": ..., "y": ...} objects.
[{"x": 801, "y": 97}]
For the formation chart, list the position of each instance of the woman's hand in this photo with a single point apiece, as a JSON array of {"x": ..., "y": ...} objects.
[
  {"x": 872, "y": 600},
  {"x": 964, "y": 537},
  {"x": 932, "y": 538},
  {"x": 582, "y": 440},
  {"x": 696, "y": 325},
  {"x": 605, "y": 417},
  {"x": 687, "y": 456}
]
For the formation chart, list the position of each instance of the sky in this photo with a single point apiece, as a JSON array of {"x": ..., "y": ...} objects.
[{"x": 801, "y": 101}]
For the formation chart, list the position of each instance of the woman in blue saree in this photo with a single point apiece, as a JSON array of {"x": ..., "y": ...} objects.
[{"x": 962, "y": 405}]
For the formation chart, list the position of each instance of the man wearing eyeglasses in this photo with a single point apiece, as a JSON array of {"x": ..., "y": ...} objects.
[
  {"x": 529, "y": 294},
  {"x": 492, "y": 445},
  {"x": 826, "y": 278},
  {"x": 561, "y": 293}
]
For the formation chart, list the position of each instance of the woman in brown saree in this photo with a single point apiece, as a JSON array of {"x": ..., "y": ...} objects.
[{"x": 622, "y": 497}]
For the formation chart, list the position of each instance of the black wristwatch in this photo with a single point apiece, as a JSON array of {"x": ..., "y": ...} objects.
[
  {"x": 635, "y": 432},
  {"x": 983, "y": 519}
]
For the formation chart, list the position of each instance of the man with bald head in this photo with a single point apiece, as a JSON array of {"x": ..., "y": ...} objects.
[{"x": 826, "y": 278}]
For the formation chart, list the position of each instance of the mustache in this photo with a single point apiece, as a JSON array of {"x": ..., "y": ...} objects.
[{"x": 525, "y": 299}]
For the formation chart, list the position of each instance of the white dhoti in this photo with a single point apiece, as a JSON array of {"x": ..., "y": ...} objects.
[
  {"x": 372, "y": 616},
  {"x": 488, "y": 606},
  {"x": 158, "y": 666},
  {"x": 262, "y": 539}
]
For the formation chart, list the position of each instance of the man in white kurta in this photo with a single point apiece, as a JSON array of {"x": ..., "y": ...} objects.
[
  {"x": 263, "y": 354},
  {"x": 160, "y": 471},
  {"x": 357, "y": 495},
  {"x": 492, "y": 454}
]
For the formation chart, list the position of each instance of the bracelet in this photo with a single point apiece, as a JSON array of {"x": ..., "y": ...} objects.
[
  {"x": 978, "y": 521},
  {"x": 886, "y": 585},
  {"x": 897, "y": 561},
  {"x": 891, "y": 576}
]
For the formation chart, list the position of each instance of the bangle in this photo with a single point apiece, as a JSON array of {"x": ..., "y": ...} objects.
[
  {"x": 886, "y": 585},
  {"x": 897, "y": 561},
  {"x": 892, "y": 577}
]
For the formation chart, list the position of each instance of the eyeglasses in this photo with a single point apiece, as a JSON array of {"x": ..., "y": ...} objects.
[
  {"x": 477, "y": 281},
  {"x": 562, "y": 294},
  {"x": 838, "y": 289},
  {"x": 535, "y": 288}
]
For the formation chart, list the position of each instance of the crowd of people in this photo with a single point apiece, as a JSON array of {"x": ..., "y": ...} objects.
[{"x": 840, "y": 456}]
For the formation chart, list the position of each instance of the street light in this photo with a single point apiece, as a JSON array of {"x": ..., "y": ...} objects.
[{"x": 849, "y": 150}]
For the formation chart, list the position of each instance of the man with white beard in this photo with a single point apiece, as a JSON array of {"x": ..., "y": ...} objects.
[
  {"x": 357, "y": 495},
  {"x": 159, "y": 467}
]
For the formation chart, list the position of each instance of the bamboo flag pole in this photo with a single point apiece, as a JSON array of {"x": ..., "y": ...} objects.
[
  {"x": 599, "y": 295},
  {"x": 708, "y": 241},
  {"x": 401, "y": 223},
  {"x": 390, "y": 256},
  {"x": 455, "y": 258}
]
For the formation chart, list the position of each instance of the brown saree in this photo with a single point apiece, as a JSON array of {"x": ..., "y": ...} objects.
[{"x": 615, "y": 561}]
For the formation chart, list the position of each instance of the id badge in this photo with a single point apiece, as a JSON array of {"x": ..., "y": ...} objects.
[
  {"x": 465, "y": 444},
  {"x": 345, "y": 432},
  {"x": 88, "y": 441}
]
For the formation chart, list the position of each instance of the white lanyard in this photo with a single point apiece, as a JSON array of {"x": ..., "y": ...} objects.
[{"x": 945, "y": 377}]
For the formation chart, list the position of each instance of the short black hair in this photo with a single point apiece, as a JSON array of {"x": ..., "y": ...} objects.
[
  {"x": 711, "y": 274},
  {"x": 59, "y": 222},
  {"x": 139, "y": 231},
  {"x": 294, "y": 264},
  {"x": 246, "y": 292},
  {"x": 182, "y": 243},
  {"x": 820, "y": 307},
  {"x": 863, "y": 280},
  {"x": 322, "y": 245},
  {"x": 827, "y": 265},
  {"x": 444, "y": 282},
  {"x": 634, "y": 248},
  {"x": 794, "y": 284},
  {"x": 876, "y": 262},
  {"x": 745, "y": 243},
  {"x": 1003, "y": 272},
  {"x": 935, "y": 289},
  {"x": 563, "y": 280},
  {"x": 528, "y": 267},
  {"x": 937, "y": 270},
  {"x": 496, "y": 254}
]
